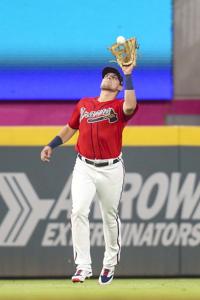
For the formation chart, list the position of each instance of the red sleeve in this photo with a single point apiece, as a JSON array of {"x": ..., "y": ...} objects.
[
  {"x": 126, "y": 118},
  {"x": 75, "y": 117}
]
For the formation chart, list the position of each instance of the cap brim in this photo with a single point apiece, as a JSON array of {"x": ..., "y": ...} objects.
[{"x": 107, "y": 70}]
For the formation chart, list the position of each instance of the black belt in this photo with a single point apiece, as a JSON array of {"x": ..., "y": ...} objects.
[{"x": 103, "y": 164}]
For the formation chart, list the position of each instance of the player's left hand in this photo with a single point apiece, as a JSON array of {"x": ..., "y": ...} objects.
[
  {"x": 127, "y": 69},
  {"x": 46, "y": 153}
]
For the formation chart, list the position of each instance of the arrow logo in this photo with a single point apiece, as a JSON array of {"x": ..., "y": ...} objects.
[{"x": 25, "y": 209}]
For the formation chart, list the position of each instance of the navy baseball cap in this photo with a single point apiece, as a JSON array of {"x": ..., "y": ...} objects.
[{"x": 107, "y": 70}]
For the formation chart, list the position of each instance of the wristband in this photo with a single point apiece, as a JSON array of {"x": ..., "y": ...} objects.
[
  {"x": 57, "y": 141},
  {"x": 128, "y": 82}
]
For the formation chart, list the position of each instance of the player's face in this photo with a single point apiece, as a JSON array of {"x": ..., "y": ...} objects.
[{"x": 111, "y": 82}]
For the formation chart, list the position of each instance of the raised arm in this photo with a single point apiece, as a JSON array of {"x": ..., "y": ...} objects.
[
  {"x": 130, "y": 101},
  {"x": 63, "y": 136}
]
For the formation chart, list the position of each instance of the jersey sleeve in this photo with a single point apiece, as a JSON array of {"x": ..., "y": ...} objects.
[
  {"x": 75, "y": 117},
  {"x": 126, "y": 118}
]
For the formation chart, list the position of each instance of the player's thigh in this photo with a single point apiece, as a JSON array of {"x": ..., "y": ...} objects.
[
  {"x": 110, "y": 187},
  {"x": 83, "y": 188}
]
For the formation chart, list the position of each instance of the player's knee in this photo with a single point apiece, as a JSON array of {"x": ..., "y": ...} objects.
[
  {"x": 110, "y": 218},
  {"x": 79, "y": 212},
  {"x": 110, "y": 213}
]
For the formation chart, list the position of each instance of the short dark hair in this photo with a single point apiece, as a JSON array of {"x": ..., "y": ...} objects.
[{"x": 107, "y": 70}]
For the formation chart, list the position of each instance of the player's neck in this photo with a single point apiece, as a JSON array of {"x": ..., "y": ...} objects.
[{"x": 106, "y": 96}]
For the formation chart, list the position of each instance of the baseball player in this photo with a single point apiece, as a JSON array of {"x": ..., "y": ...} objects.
[{"x": 99, "y": 168}]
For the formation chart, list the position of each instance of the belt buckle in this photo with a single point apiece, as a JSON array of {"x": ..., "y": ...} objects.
[
  {"x": 103, "y": 164},
  {"x": 109, "y": 162}
]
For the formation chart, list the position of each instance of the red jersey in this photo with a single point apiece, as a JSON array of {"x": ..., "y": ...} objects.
[{"x": 100, "y": 127}]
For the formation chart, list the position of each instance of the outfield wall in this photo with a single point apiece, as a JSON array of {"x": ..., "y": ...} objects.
[{"x": 160, "y": 207}]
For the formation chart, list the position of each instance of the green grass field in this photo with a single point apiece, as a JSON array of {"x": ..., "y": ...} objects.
[{"x": 125, "y": 289}]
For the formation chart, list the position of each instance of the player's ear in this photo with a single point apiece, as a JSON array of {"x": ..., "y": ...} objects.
[{"x": 120, "y": 88}]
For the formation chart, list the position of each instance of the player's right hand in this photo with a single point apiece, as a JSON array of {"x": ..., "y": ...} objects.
[
  {"x": 46, "y": 153},
  {"x": 128, "y": 69}
]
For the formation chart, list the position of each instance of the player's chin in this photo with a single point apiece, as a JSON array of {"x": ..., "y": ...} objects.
[{"x": 106, "y": 87}]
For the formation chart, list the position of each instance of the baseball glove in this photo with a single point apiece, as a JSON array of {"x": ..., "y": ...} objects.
[{"x": 125, "y": 53}]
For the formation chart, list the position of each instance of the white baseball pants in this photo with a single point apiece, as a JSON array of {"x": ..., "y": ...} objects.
[{"x": 107, "y": 182}]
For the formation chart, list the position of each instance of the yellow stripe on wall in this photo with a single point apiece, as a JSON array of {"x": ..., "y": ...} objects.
[
  {"x": 132, "y": 136},
  {"x": 29, "y": 135},
  {"x": 150, "y": 136},
  {"x": 189, "y": 135}
]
